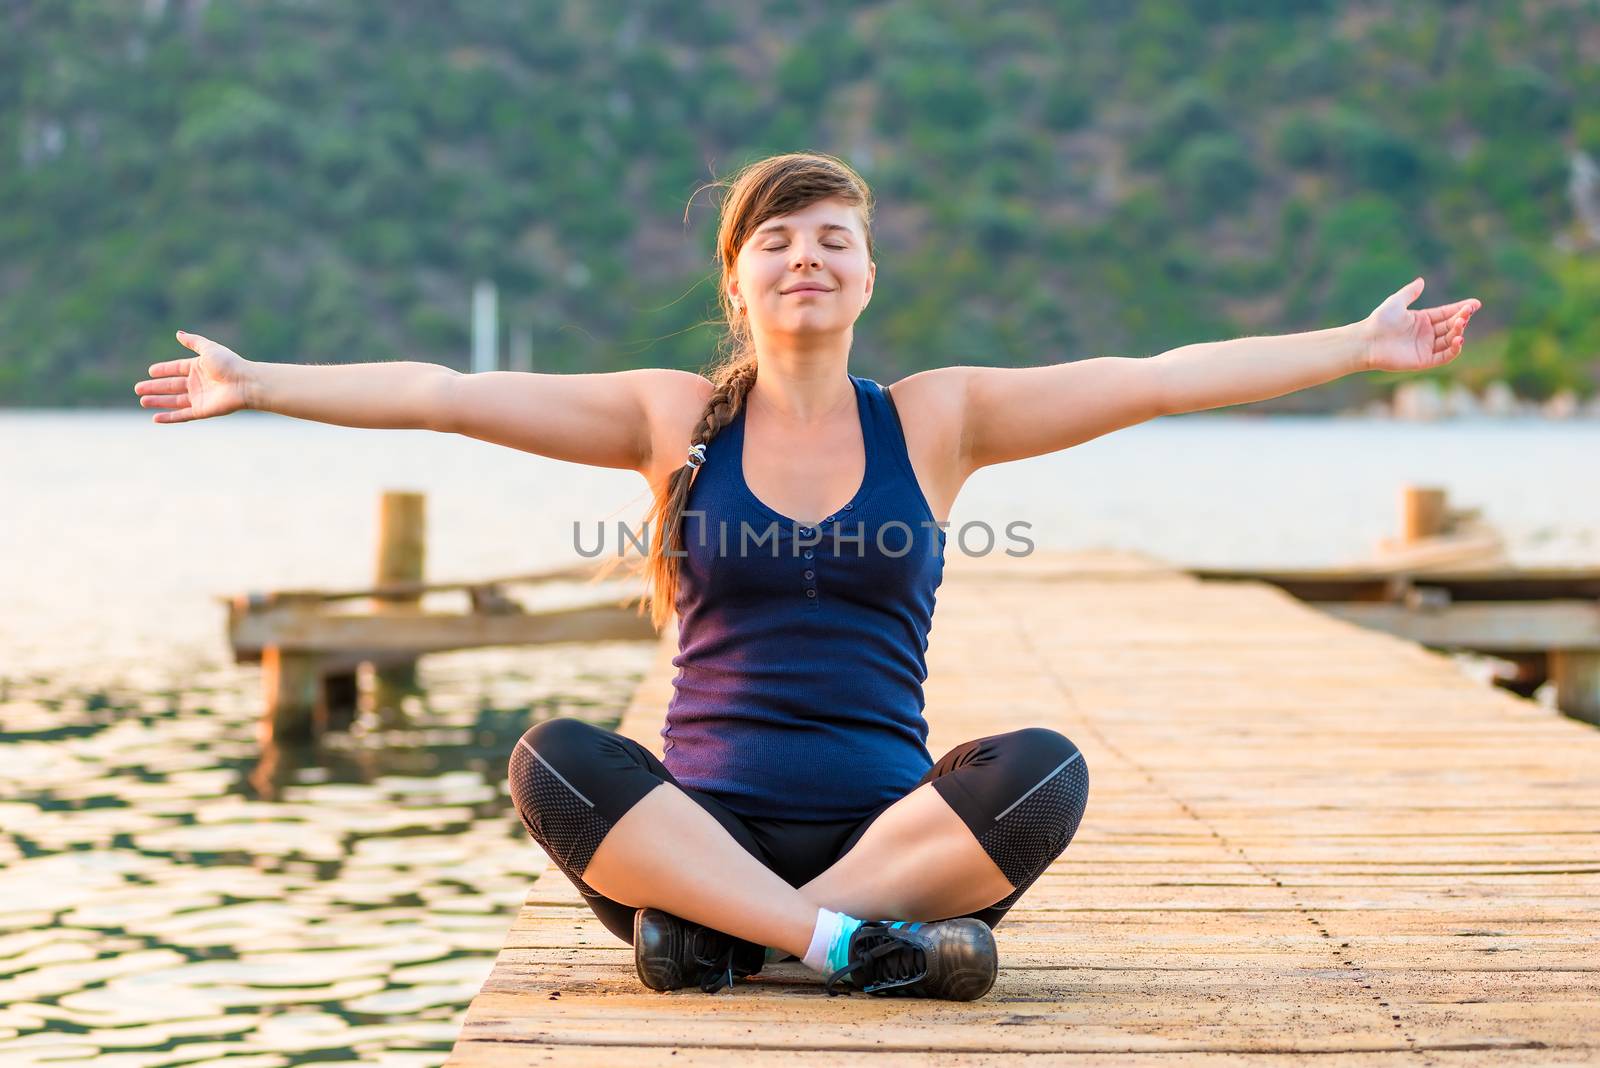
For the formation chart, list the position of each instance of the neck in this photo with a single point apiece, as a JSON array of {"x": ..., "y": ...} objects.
[{"x": 803, "y": 379}]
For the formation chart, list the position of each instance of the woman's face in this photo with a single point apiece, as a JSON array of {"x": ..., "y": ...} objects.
[{"x": 805, "y": 272}]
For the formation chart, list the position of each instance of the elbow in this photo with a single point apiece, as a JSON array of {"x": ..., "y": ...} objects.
[
  {"x": 1162, "y": 397},
  {"x": 440, "y": 400}
]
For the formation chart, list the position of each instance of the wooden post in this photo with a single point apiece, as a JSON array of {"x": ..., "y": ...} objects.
[
  {"x": 402, "y": 551},
  {"x": 1525, "y": 673},
  {"x": 292, "y": 687},
  {"x": 1577, "y": 676},
  {"x": 1422, "y": 513},
  {"x": 341, "y": 693}
]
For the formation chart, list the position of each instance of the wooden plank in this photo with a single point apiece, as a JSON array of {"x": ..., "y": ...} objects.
[
  {"x": 1303, "y": 838},
  {"x": 439, "y": 631},
  {"x": 585, "y": 572},
  {"x": 1493, "y": 626},
  {"x": 1475, "y": 548},
  {"x": 1363, "y": 584}
]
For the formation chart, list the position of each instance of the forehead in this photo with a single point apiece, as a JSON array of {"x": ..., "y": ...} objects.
[{"x": 824, "y": 216}]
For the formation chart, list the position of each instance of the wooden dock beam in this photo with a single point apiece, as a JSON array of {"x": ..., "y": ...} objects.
[
  {"x": 310, "y": 654},
  {"x": 1577, "y": 678},
  {"x": 402, "y": 555},
  {"x": 292, "y": 691}
]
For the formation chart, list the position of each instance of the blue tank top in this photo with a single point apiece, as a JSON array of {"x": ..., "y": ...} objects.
[{"x": 801, "y": 650}]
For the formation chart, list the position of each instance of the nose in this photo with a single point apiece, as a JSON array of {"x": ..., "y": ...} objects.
[{"x": 806, "y": 257}]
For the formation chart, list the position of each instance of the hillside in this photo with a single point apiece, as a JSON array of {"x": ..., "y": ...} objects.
[{"x": 324, "y": 183}]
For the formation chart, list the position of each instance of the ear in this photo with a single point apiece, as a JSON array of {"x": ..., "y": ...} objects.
[{"x": 872, "y": 273}]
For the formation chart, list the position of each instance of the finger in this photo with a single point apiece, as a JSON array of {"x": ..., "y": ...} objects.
[
  {"x": 195, "y": 341},
  {"x": 1453, "y": 325},
  {"x": 182, "y": 415},
  {"x": 1412, "y": 291},
  {"x": 151, "y": 387},
  {"x": 164, "y": 402},
  {"x": 172, "y": 367},
  {"x": 1448, "y": 311}
]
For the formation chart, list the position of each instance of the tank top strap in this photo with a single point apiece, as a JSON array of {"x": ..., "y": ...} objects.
[{"x": 889, "y": 439}]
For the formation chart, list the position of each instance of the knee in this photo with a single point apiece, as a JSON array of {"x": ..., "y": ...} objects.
[
  {"x": 1044, "y": 745},
  {"x": 555, "y": 738},
  {"x": 556, "y": 744},
  {"x": 1055, "y": 768}
]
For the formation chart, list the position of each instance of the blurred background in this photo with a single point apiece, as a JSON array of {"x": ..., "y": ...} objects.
[
  {"x": 326, "y": 182},
  {"x": 322, "y": 183}
]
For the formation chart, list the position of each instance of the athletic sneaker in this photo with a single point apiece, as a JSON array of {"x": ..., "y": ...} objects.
[
  {"x": 671, "y": 953},
  {"x": 950, "y": 959}
]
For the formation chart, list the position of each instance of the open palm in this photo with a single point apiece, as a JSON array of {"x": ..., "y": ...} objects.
[
  {"x": 212, "y": 382},
  {"x": 1400, "y": 339}
]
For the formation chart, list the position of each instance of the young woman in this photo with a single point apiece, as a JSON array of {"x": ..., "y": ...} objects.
[{"x": 797, "y": 532}]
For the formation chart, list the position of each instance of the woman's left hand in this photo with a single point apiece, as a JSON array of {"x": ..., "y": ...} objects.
[{"x": 1399, "y": 339}]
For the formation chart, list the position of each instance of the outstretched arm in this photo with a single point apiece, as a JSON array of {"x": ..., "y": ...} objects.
[
  {"x": 1010, "y": 413},
  {"x": 607, "y": 419},
  {"x": 1392, "y": 338},
  {"x": 217, "y": 381}
]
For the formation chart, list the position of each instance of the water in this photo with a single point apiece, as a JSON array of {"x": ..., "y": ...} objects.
[{"x": 174, "y": 889}]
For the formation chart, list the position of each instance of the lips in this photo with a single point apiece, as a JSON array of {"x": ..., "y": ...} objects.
[{"x": 806, "y": 289}]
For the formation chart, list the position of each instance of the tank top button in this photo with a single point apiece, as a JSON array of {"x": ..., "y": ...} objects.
[
  {"x": 828, "y": 520},
  {"x": 808, "y": 554},
  {"x": 806, "y": 531},
  {"x": 811, "y": 574},
  {"x": 848, "y": 507},
  {"x": 811, "y": 593}
]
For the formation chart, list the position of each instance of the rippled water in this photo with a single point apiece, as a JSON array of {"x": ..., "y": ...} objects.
[{"x": 172, "y": 891}]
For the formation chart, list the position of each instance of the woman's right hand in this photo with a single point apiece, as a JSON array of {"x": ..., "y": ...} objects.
[{"x": 215, "y": 381}]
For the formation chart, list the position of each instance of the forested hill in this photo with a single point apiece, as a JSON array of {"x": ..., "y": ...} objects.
[{"x": 321, "y": 182}]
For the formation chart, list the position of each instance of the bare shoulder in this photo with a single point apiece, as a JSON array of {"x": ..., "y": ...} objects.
[
  {"x": 932, "y": 406},
  {"x": 674, "y": 402}
]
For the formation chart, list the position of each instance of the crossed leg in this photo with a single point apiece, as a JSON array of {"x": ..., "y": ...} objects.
[
  {"x": 917, "y": 861},
  {"x": 969, "y": 839},
  {"x": 983, "y": 824}
]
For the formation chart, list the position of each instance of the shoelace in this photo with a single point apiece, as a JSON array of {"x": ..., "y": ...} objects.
[
  {"x": 719, "y": 973},
  {"x": 894, "y": 961}
]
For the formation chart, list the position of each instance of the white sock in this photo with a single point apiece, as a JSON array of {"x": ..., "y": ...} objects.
[{"x": 830, "y": 941}]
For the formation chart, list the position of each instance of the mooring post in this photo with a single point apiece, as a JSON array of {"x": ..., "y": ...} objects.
[
  {"x": 1577, "y": 676},
  {"x": 1422, "y": 513},
  {"x": 402, "y": 550},
  {"x": 291, "y": 684},
  {"x": 341, "y": 693}
]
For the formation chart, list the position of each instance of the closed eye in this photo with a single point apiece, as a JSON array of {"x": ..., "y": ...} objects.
[{"x": 775, "y": 248}]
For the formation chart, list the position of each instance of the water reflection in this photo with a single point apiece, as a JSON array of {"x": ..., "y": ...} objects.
[{"x": 172, "y": 892}]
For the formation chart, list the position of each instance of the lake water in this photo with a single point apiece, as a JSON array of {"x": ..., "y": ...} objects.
[{"x": 174, "y": 891}]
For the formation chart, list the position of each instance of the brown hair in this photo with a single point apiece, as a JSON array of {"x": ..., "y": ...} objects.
[{"x": 764, "y": 189}]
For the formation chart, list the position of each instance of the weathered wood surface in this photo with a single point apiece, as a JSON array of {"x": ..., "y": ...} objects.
[{"x": 1303, "y": 839}]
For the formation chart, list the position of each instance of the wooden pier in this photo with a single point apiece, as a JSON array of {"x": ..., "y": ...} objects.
[
  {"x": 311, "y": 646},
  {"x": 1304, "y": 840}
]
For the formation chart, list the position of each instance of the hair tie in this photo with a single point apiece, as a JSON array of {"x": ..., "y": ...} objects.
[{"x": 697, "y": 455}]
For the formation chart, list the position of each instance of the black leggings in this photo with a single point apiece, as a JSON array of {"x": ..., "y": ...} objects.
[{"x": 1021, "y": 794}]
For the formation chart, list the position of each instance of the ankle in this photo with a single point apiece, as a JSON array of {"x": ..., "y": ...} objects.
[{"x": 830, "y": 941}]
